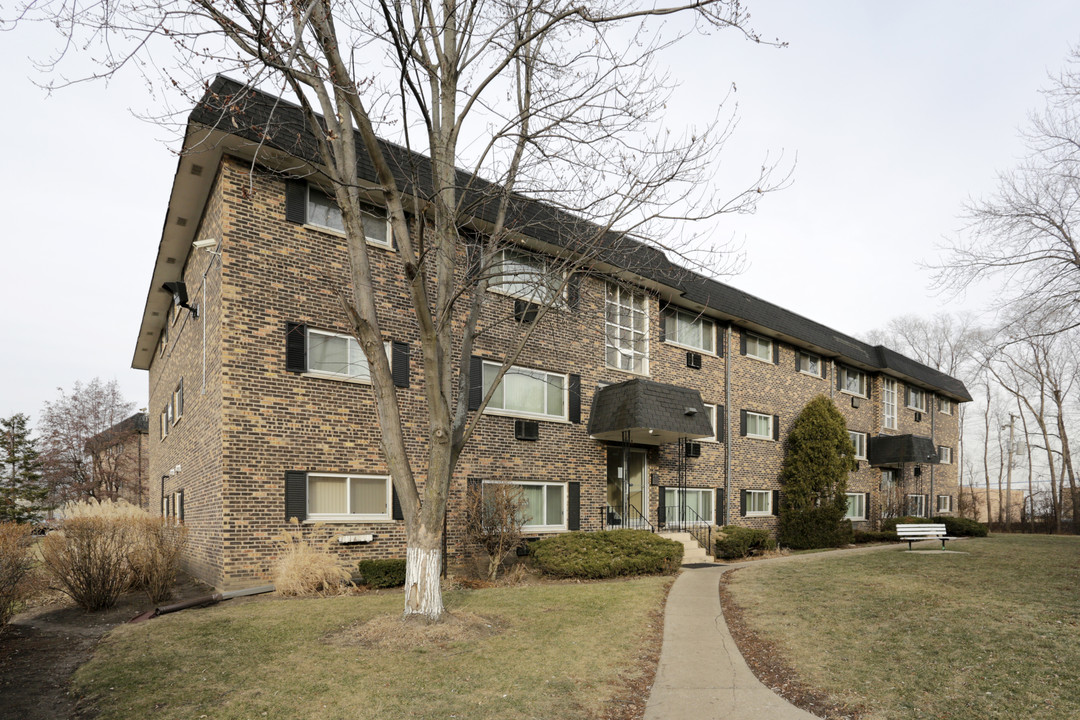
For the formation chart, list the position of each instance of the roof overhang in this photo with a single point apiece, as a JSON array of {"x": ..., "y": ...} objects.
[
  {"x": 648, "y": 413},
  {"x": 900, "y": 449}
]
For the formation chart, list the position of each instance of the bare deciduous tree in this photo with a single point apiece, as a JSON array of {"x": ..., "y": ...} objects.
[
  {"x": 494, "y": 518},
  {"x": 551, "y": 98}
]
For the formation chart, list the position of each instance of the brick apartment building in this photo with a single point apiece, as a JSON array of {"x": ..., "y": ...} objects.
[
  {"x": 663, "y": 397},
  {"x": 121, "y": 460}
]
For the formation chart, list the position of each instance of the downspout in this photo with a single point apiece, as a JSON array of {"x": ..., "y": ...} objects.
[
  {"x": 933, "y": 439},
  {"x": 727, "y": 428}
]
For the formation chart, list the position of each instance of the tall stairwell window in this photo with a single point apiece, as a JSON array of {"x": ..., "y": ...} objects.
[
  {"x": 627, "y": 330},
  {"x": 888, "y": 396}
]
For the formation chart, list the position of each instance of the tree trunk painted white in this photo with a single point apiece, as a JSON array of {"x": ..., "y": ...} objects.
[{"x": 423, "y": 593}]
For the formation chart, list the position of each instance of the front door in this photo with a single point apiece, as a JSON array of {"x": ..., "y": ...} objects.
[{"x": 627, "y": 497}]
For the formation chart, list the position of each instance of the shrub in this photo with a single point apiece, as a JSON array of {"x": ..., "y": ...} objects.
[
  {"x": 16, "y": 562},
  {"x": 154, "y": 556},
  {"x": 87, "y": 556},
  {"x": 607, "y": 553},
  {"x": 869, "y": 536},
  {"x": 816, "y": 527},
  {"x": 382, "y": 573},
  {"x": 737, "y": 542},
  {"x": 304, "y": 570},
  {"x": 963, "y": 527},
  {"x": 494, "y": 517}
]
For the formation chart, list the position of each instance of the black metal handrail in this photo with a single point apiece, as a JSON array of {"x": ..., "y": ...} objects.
[
  {"x": 613, "y": 518},
  {"x": 698, "y": 527}
]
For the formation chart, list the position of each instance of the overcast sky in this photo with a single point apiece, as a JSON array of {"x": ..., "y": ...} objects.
[{"x": 897, "y": 112}]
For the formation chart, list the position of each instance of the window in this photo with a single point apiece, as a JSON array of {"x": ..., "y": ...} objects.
[
  {"x": 338, "y": 354},
  {"x": 944, "y": 455},
  {"x": 348, "y": 497},
  {"x": 759, "y": 347},
  {"x": 856, "y": 506},
  {"x": 526, "y": 276},
  {"x": 533, "y": 393},
  {"x": 545, "y": 505},
  {"x": 758, "y": 502},
  {"x": 759, "y": 426},
  {"x": 165, "y": 422},
  {"x": 858, "y": 439},
  {"x": 852, "y": 381},
  {"x": 809, "y": 364},
  {"x": 916, "y": 399},
  {"x": 698, "y": 507},
  {"x": 888, "y": 479},
  {"x": 689, "y": 330},
  {"x": 178, "y": 402},
  {"x": 323, "y": 211},
  {"x": 715, "y": 422},
  {"x": 627, "y": 328},
  {"x": 888, "y": 395},
  {"x": 944, "y": 503},
  {"x": 944, "y": 406},
  {"x": 916, "y": 505}
]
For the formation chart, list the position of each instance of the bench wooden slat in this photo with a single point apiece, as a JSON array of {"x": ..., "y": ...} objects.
[{"x": 922, "y": 531}]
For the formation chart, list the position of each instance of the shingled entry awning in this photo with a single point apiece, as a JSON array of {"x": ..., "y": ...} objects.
[
  {"x": 653, "y": 413},
  {"x": 897, "y": 449}
]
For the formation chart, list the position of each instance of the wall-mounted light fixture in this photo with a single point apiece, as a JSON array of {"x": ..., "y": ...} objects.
[{"x": 180, "y": 296}]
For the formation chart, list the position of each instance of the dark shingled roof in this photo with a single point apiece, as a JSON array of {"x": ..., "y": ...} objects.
[
  {"x": 668, "y": 411},
  {"x": 137, "y": 424},
  {"x": 896, "y": 449},
  {"x": 231, "y": 107}
]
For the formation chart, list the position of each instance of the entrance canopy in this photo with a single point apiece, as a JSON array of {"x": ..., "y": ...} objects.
[
  {"x": 653, "y": 413},
  {"x": 897, "y": 449}
]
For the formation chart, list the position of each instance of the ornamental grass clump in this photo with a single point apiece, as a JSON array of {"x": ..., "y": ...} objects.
[
  {"x": 16, "y": 562},
  {"x": 304, "y": 570},
  {"x": 607, "y": 553},
  {"x": 154, "y": 555}
]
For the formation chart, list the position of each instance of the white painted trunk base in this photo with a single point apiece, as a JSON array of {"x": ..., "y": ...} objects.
[{"x": 423, "y": 593}]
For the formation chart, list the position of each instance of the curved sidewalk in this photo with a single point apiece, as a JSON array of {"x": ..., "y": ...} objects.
[{"x": 702, "y": 675}]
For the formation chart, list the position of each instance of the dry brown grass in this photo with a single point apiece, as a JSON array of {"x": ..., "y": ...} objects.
[
  {"x": 16, "y": 564},
  {"x": 305, "y": 570},
  {"x": 389, "y": 632},
  {"x": 154, "y": 555}
]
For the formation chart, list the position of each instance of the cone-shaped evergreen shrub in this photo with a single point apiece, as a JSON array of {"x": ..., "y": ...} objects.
[{"x": 818, "y": 459}]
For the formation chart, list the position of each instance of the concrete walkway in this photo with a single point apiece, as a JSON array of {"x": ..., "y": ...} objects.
[{"x": 702, "y": 675}]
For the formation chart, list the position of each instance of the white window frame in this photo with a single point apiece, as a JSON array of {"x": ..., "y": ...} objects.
[
  {"x": 945, "y": 406},
  {"x": 371, "y": 212},
  {"x": 768, "y": 503},
  {"x": 948, "y": 505},
  {"x": 528, "y": 372},
  {"x": 177, "y": 401},
  {"x": 758, "y": 340},
  {"x": 347, "y": 517},
  {"x": 889, "y": 403},
  {"x": 861, "y": 500},
  {"x": 923, "y": 502},
  {"x": 540, "y": 527},
  {"x": 845, "y": 372},
  {"x": 941, "y": 456},
  {"x": 352, "y": 343},
  {"x": 911, "y": 405},
  {"x": 710, "y": 492},
  {"x": 803, "y": 356},
  {"x": 543, "y": 271},
  {"x": 671, "y": 333},
  {"x": 165, "y": 424},
  {"x": 771, "y": 420},
  {"x": 711, "y": 410},
  {"x": 614, "y": 296},
  {"x": 852, "y": 435}
]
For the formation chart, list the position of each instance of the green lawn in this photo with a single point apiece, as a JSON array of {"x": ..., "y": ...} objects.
[
  {"x": 554, "y": 651},
  {"x": 992, "y": 633}
]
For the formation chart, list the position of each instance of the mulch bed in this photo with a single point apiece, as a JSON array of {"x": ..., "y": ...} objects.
[{"x": 770, "y": 668}]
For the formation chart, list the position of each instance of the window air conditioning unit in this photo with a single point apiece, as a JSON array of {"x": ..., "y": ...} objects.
[
  {"x": 918, "y": 417},
  {"x": 526, "y": 430},
  {"x": 856, "y": 402},
  {"x": 525, "y": 311},
  {"x": 693, "y": 449},
  {"x": 693, "y": 360}
]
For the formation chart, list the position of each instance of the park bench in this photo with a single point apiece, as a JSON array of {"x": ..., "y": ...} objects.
[{"x": 927, "y": 531}]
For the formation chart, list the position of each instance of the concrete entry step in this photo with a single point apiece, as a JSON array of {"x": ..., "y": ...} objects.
[{"x": 693, "y": 553}]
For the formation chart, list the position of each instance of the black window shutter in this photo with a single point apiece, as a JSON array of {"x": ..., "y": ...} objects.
[
  {"x": 296, "y": 201},
  {"x": 395, "y": 504},
  {"x": 719, "y": 423},
  {"x": 295, "y": 347},
  {"x": 573, "y": 291},
  {"x": 742, "y": 423},
  {"x": 775, "y": 502},
  {"x": 720, "y": 341},
  {"x": 661, "y": 508},
  {"x": 866, "y": 506},
  {"x": 476, "y": 382},
  {"x": 296, "y": 495},
  {"x": 824, "y": 369},
  {"x": 574, "y": 391},
  {"x": 798, "y": 361},
  {"x": 719, "y": 506},
  {"x": 742, "y": 503},
  {"x": 907, "y": 396},
  {"x": 775, "y": 427},
  {"x": 742, "y": 342},
  {"x": 400, "y": 365},
  {"x": 663, "y": 327},
  {"x": 869, "y": 386},
  {"x": 180, "y": 505},
  {"x": 839, "y": 374},
  {"x": 775, "y": 352},
  {"x": 573, "y": 506}
]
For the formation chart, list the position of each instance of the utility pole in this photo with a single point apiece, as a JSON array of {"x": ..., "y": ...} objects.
[{"x": 1008, "y": 476}]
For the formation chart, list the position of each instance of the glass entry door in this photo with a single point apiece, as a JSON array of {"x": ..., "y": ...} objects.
[{"x": 627, "y": 497}]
